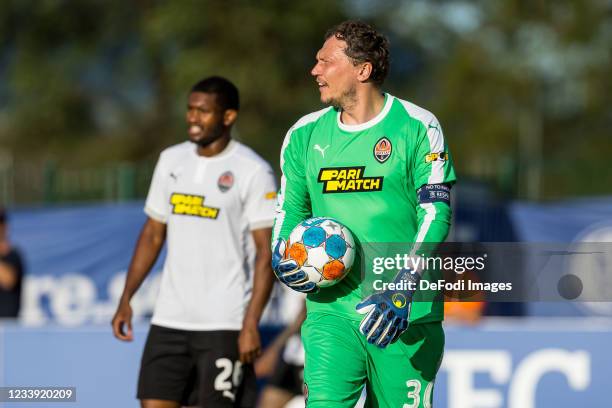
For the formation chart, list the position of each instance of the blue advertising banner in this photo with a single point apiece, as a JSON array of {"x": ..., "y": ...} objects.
[
  {"x": 76, "y": 259},
  {"x": 578, "y": 221},
  {"x": 515, "y": 363},
  {"x": 76, "y": 262}
]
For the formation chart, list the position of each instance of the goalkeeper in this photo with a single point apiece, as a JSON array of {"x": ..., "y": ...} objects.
[{"x": 379, "y": 165}]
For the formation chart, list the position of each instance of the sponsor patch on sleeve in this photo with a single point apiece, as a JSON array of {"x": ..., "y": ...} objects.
[
  {"x": 434, "y": 193},
  {"x": 270, "y": 195},
  {"x": 440, "y": 156}
]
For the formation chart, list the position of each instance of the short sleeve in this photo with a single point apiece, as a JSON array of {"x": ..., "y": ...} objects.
[
  {"x": 260, "y": 198},
  {"x": 156, "y": 205}
]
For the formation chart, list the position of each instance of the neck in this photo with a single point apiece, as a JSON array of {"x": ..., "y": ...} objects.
[
  {"x": 214, "y": 148},
  {"x": 365, "y": 106}
]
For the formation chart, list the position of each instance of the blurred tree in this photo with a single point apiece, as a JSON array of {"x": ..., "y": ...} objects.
[
  {"x": 522, "y": 88},
  {"x": 92, "y": 81}
]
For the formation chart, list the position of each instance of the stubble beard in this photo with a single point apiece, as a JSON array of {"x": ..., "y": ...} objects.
[
  {"x": 213, "y": 135},
  {"x": 347, "y": 99}
]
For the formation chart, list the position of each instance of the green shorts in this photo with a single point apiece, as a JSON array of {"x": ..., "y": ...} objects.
[{"x": 339, "y": 362}]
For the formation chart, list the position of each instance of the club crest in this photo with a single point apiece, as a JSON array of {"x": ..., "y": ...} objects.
[
  {"x": 226, "y": 181},
  {"x": 382, "y": 150}
]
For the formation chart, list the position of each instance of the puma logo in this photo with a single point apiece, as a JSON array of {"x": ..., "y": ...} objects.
[{"x": 322, "y": 150}]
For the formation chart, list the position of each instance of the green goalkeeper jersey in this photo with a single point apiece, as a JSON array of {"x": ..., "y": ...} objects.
[{"x": 366, "y": 176}]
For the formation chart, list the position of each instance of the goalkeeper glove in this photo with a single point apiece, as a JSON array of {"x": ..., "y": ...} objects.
[
  {"x": 289, "y": 272},
  {"x": 387, "y": 312}
]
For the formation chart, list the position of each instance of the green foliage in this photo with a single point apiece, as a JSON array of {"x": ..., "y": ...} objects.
[{"x": 521, "y": 88}]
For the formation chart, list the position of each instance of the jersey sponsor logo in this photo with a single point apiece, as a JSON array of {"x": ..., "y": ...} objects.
[
  {"x": 320, "y": 149},
  {"x": 270, "y": 195},
  {"x": 189, "y": 204},
  {"x": 226, "y": 181},
  {"x": 382, "y": 149},
  {"x": 348, "y": 180},
  {"x": 440, "y": 156}
]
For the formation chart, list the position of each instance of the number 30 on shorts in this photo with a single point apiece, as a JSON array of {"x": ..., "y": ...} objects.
[{"x": 414, "y": 394}]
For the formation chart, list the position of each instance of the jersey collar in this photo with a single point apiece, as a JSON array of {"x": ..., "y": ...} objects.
[
  {"x": 366, "y": 125},
  {"x": 229, "y": 149}
]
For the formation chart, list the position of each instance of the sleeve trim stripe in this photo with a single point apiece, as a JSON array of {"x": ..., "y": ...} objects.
[
  {"x": 280, "y": 212},
  {"x": 280, "y": 199},
  {"x": 430, "y": 216},
  {"x": 434, "y": 134},
  {"x": 260, "y": 224},
  {"x": 155, "y": 215}
]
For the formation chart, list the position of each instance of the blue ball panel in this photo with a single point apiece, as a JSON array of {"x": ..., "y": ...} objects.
[
  {"x": 335, "y": 246},
  {"x": 313, "y": 237}
]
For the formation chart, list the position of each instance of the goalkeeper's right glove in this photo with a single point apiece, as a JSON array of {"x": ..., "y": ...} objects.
[{"x": 289, "y": 272}]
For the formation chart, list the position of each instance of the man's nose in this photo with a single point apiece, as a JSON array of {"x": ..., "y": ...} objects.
[
  {"x": 315, "y": 70},
  {"x": 191, "y": 116}
]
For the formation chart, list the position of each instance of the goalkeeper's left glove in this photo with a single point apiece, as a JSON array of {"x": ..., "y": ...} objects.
[{"x": 388, "y": 312}]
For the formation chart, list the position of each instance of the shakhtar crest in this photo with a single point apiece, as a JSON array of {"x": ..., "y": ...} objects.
[
  {"x": 226, "y": 181},
  {"x": 382, "y": 149}
]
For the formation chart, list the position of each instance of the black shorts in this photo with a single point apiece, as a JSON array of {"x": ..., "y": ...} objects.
[
  {"x": 196, "y": 368},
  {"x": 288, "y": 377}
]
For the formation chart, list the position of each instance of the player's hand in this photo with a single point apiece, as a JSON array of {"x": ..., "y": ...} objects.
[
  {"x": 249, "y": 344},
  {"x": 289, "y": 272},
  {"x": 387, "y": 312},
  {"x": 123, "y": 320}
]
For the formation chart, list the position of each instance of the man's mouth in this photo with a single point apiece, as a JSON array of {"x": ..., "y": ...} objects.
[
  {"x": 321, "y": 84},
  {"x": 195, "y": 130}
]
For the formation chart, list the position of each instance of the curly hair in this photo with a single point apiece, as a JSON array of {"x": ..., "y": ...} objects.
[{"x": 364, "y": 44}]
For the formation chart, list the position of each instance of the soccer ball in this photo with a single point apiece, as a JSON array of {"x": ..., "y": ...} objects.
[{"x": 324, "y": 249}]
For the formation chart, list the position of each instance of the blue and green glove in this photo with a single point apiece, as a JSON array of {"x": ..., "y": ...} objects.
[
  {"x": 387, "y": 312},
  {"x": 289, "y": 272}
]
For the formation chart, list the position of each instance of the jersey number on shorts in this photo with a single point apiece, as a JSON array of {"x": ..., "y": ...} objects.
[
  {"x": 222, "y": 380},
  {"x": 414, "y": 394}
]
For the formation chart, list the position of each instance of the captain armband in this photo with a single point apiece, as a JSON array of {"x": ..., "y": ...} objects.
[{"x": 434, "y": 193}]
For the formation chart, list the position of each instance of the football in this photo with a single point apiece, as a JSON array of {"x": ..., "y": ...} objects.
[{"x": 324, "y": 248}]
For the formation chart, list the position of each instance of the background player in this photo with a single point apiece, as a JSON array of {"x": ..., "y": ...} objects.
[
  {"x": 400, "y": 149},
  {"x": 282, "y": 362},
  {"x": 11, "y": 272},
  {"x": 212, "y": 198}
]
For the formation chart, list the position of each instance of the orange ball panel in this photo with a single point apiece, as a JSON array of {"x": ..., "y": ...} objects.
[
  {"x": 298, "y": 253},
  {"x": 333, "y": 270}
]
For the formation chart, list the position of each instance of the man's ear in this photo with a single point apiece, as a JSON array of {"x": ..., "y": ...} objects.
[
  {"x": 230, "y": 116},
  {"x": 364, "y": 72}
]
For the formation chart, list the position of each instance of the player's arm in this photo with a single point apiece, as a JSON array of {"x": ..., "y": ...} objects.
[
  {"x": 148, "y": 247},
  {"x": 259, "y": 195},
  {"x": 249, "y": 343},
  {"x": 293, "y": 206},
  {"x": 264, "y": 366},
  {"x": 8, "y": 275},
  {"x": 433, "y": 176},
  {"x": 387, "y": 313}
]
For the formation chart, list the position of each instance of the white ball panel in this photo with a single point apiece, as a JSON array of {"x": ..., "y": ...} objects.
[
  {"x": 296, "y": 234},
  {"x": 317, "y": 257},
  {"x": 313, "y": 274}
]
